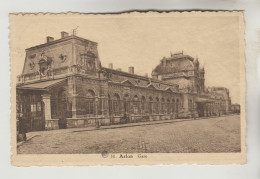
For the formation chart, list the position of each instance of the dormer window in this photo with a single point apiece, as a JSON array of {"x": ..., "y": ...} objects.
[
  {"x": 88, "y": 60},
  {"x": 45, "y": 66}
]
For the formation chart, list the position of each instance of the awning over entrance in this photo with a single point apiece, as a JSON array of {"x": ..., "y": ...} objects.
[
  {"x": 203, "y": 100},
  {"x": 41, "y": 85}
]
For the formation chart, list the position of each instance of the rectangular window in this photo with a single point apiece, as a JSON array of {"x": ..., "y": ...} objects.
[
  {"x": 90, "y": 107},
  {"x": 142, "y": 108},
  {"x": 135, "y": 107},
  {"x": 39, "y": 106},
  {"x": 156, "y": 108},
  {"x": 162, "y": 107},
  {"x": 31, "y": 107},
  {"x": 115, "y": 107},
  {"x": 100, "y": 107},
  {"x": 126, "y": 106},
  {"x": 21, "y": 107}
]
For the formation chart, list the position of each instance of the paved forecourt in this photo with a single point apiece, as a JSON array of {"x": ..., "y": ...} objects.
[{"x": 219, "y": 134}]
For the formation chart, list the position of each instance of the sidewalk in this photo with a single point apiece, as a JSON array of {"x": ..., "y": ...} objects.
[{"x": 129, "y": 125}]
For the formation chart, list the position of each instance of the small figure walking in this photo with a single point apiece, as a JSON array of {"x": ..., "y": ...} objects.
[{"x": 22, "y": 128}]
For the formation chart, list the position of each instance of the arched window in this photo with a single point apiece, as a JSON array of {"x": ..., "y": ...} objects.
[
  {"x": 162, "y": 106},
  {"x": 173, "y": 105},
  {"x": 168, "y": 107},
  {"x": 150, "y": 105},
  {"x": 116, "y": 104},
  {"x": 143, "y": 109},
  {"x": 135, "y": 104},
  {"x": 90, "y": 102},
  {"x": 157, "y": 105},
  {"x": 177, "y": 105},
  {"x": 126, "y": 103},
  {"x": 190, "y": 105},
  {"x": 109, "y": 105}
]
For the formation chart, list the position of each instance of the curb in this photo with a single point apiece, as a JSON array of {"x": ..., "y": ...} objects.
[
  {"x": 22, "y": 142},
  {"x": 132, "y": 125}
]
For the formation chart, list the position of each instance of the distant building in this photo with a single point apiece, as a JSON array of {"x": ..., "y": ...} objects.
[
  {"x": 64, "y": 85},
  {"x": 235, "y": 108}
]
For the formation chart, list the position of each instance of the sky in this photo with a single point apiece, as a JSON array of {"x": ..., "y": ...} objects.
[{"x": 142, "y": 40}]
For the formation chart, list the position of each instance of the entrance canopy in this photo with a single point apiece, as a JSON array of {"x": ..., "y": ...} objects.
[
  {"x": 45, "y": 85},
  {"x": 204, "y": 100}
]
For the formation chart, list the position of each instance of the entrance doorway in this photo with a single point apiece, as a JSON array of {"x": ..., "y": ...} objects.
[{"x": 200, "y": 107}]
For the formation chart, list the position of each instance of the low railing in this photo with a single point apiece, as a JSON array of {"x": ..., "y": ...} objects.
[{"x": 36, "y": 76}]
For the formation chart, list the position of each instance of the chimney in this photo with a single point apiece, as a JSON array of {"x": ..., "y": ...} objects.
[
  {"x": 49, "y": 39},
  {"x": 164, "y": 62},
  {"x": 110, "y": 65},
  {"x": 64, "y": 34},
  {"x": 131, "y": 70},
  {"x": 146, "y": 74}
]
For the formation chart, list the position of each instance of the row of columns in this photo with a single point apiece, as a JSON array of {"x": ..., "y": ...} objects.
[{"x": 46, "y": 98}]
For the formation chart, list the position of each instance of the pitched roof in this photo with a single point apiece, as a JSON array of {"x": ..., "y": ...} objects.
[
  {"x": 151, "y": 85},
  {"x": 42, "y": 85},
  {"x": 128, "y": 81}
]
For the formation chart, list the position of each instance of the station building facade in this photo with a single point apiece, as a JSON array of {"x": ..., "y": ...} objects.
[{"x": 64, "y": 85}]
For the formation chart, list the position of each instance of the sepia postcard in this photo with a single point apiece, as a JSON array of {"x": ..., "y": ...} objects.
[{"x": 133, "y": 88}]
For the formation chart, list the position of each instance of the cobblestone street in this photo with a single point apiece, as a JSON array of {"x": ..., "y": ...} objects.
[{"x": 221, "y": 134}]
